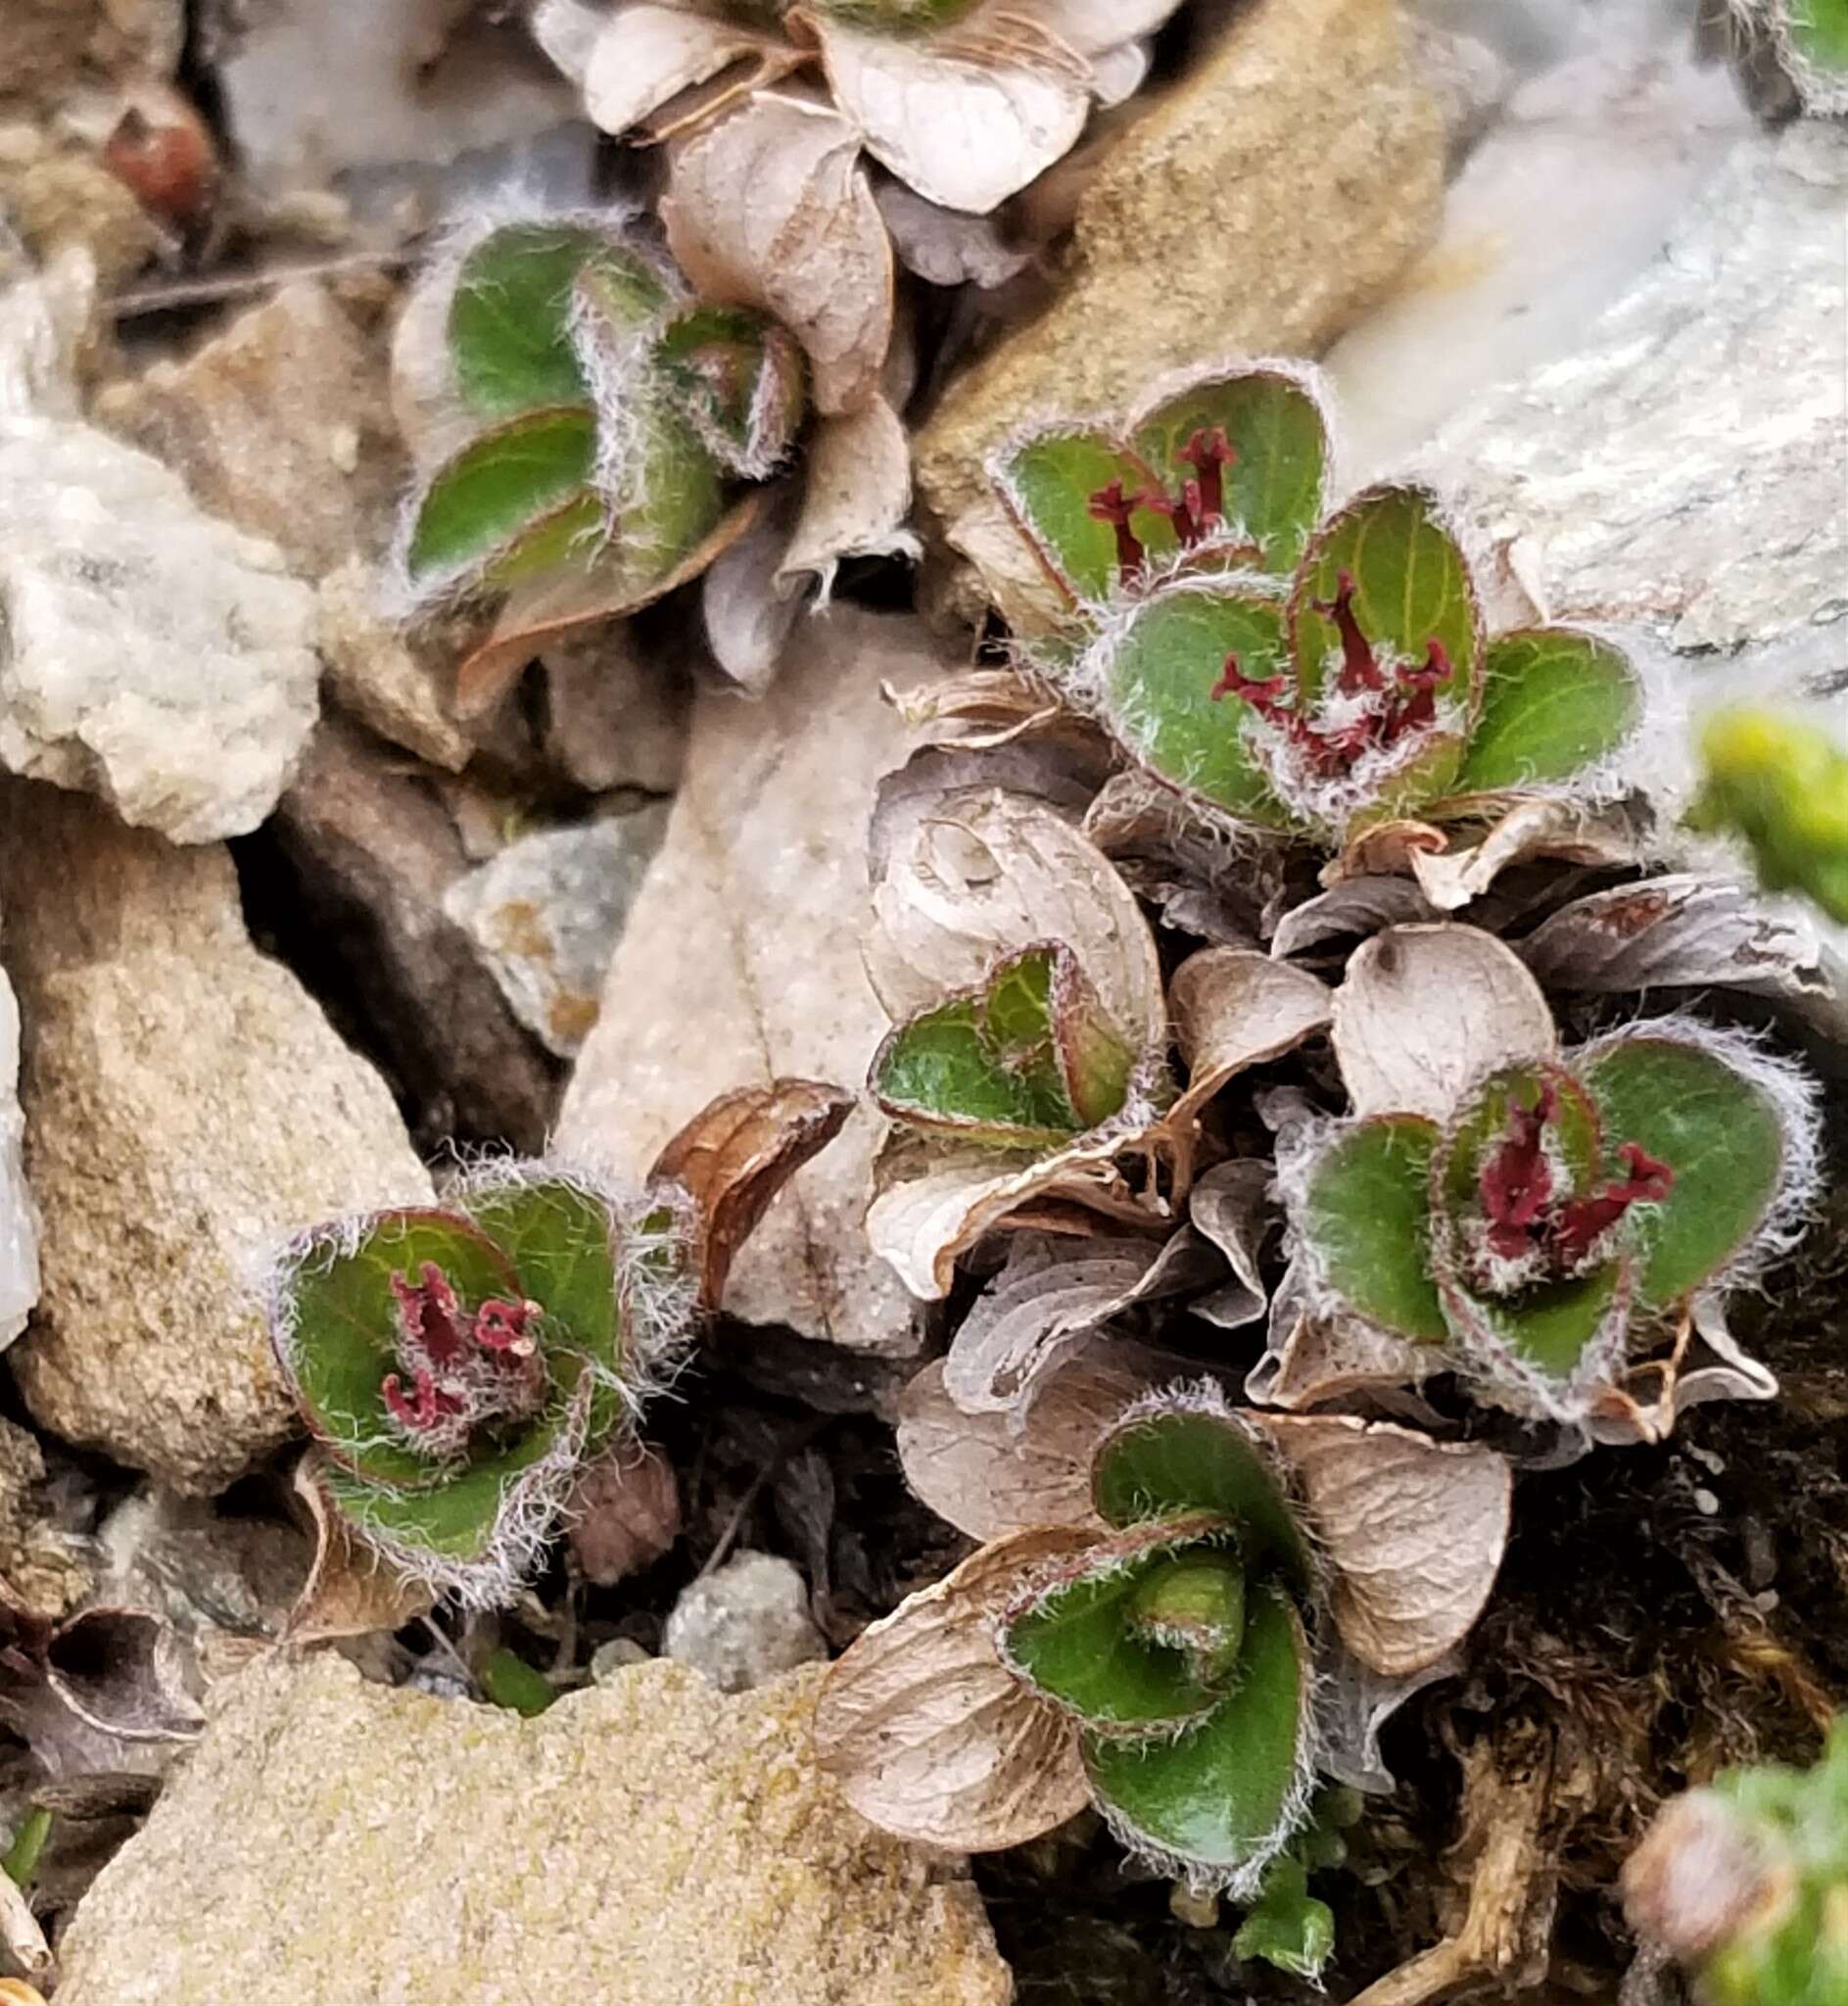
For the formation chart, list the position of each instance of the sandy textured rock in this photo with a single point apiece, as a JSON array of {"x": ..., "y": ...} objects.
[
  {"x": 744, "y": 1624},
  {"x": 646, "y": 1843},
  {"x": 1259, "y": 207},
  {"x": 742, "y": 962},
  {"x": 546, "y": 915},
  {"x": 1684, "y": 470},
  {"x": 47, "y": 1568},
  {"x": 147, "y": 652},
  {"x": 54, "y": 193},
  {"x": 50, "y": 48},
  {"x": 186, "y": 1104},
  {"x": 380, "y": 674},
  {"x": 377, "y": 851}
]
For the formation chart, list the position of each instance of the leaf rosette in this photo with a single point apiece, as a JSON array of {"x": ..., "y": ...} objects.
[
  {"x": 1157, "y": 1653},
  {"x": 1298, "y": 674},
  {"x": 1537, "y": 1219}
]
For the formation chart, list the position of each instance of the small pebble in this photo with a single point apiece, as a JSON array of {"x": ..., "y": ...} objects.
[
  {"x": 617, "y": 1655},
  {"x": 1706, "y": 1504},
  {"x": 744, "y": 1624}
]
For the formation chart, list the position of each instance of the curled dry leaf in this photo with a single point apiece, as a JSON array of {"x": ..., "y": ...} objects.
[
  {"x": 1645, "y": 1408},
  {"x": 643, "y": 57},
  {"x": 992, "y": 1473},
  {"x": 978, "y": 709},
  {"x": 1094, "y": 26},
  {"x": 735, "y": 1155},
  {"x": 1234, "y": 1008},
  {"x": 1425, "y": 1012},
  {"x": 1232, "y": 1207},
  {"x": 855, "y": 498},
  {"x": 1414, "y": 1530},
  {"x": 996, "y": 873},
  {"x": 24, "y": 1942},
  {"x": 1565, "y": 830},
  {"x": 352, "y": 1590},
  {"x": 1051, "y": 1295},
  {"x": 1383, "y": 849},
  {"x": 1013, "y": 579},
  {"x": 946, "y": 247},
  {"x": 931, "y": 1736},
  {"x": 1355, "y": 906},
  {"x": 120, "y": 1672},
  {"x": 1057, "y": 771},
  {"x": 1353, "y": 1702},
  {"x": 771, "y": 208},
  {"x": 1312, "y": 1361},
  {"x": 623, "y": 1514},
  {"x": 965, "y": 121},
  {"x": 747, "y": 620}
]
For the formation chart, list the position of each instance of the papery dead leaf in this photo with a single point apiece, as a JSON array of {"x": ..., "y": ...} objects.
[
  {"x": 1313, "y": 1360},
  {"x": 1235, "y": 1008},
  {"x": 747, "y": 620},
  {"x": 980, "y": 708},
  {"x": 119, "y": 1671},
  {"x": 1059, "y": 772},
  {"x": 352, "y": 1588},
  {"x": 855, "y": 498},
  {"x": 1180, "y": 863},
  {"x": 1233, "y": 1208},
  {"x": 1678, "y": 931},
  {"x": 1356, "y": 906},
  {"x": 647, "y": 55},
  {"x": 1353, "y": 1702},
  {"x": 931, "y": 1736},
  {"x": 553, "y": 605},
  {"x": 26, "y": 1943},
  {"x": 1117, "y": 75},
  {"x": 623, "y": 1513},
  {"x": 1044, "y": 1303},
  {"x": 967, "y": 123},
  {"x": 1014, "y": 577},
  {"x": 1382, "y": 849},
  {"x": 933, "y": 1201},
  {"x": 991, "y": 1474},
  {"x": 1451, "y": 877},
  {"x": 1425, "y": 1012},
  {"x": 735, "y": 1155},
  {"x": 1092, "y": 26},
  {"x": 771, "y": 208},
  {"x": 998, "y": 871},
  {"x": 1414, "y": 1531},
  {"x": 947, "y": 247},
  {"x": 1655, "y": 1394}
]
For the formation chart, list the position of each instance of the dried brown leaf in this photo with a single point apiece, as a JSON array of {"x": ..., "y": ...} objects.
[
  {"x": 1355, "y": 906},
  {"x": 1092, "y": 26},
  {"x": 120, "y": 1672},
  {"x": 646, "y": 55},
  {"x": 1235, "y": 1008},
  {"x": 966, "y": 123},
  {"x": 1414, "y": 1530},
  {"x": 1313, "y": 1360},
  {"x": 931, "y": 1736},
  {"x": 771, "y": 208},
  {"x": 1384, "y": 851},
  {"x": 352, "y": 1590},
  {"x": 1232, "y": 1207},
  {"x": 623, "y": 1514},
  {"x": 1425, "y": 1012},
  {"x": 735, "y": 1155},
  {"x": 855, "y": 498},
  {"x": 1015, "y": 577},
  {"x": 977, "y": 709},
  {"x": 747, "y": 620},
  {"x": 945, "y": 246},
  {"x": 1451, "y": 877},
  {"x": 1060, "y": 771}
]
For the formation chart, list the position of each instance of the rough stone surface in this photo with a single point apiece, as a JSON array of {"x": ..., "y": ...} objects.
[
  {"x": 742, "y": 962},
  {"x": 376, "y": 851},
  {"x": 1683, "y": 472},
  {"x": 547, "y": 913},
  {"x": 147, "y": 652},
  {"x": 1257, "y": 208},
  {"x": 50, "y": 48},
  {"x": 186, "y": 1106},
  {"x": 744, "y": 1624},
  {"x": 55, "y": 193},
  {"x": 378, "y": 674},
  {"x": 646, "y": 1842},
  {"x": 45, "y": 1567}
]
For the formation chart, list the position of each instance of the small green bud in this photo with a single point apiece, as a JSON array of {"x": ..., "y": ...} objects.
[{"x": 1782, "y": 785}]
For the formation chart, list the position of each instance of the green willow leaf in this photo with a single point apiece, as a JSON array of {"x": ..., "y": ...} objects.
[
  {"x": 574, "y": 535},
  {"x": 1548, "y": 1328},
  {"x": 1287, "y": 1927},
  {"x": 1412, "y": 586},
  {"x": 509, "y": 324},
  {"x": 345, "y": 1329},
  {"x": 740, "y": 379},
  {"x": 1162, "y": 676},
  {"x": 1367, "y": 1221},
  {"x": 1218, "y": 1794},
  {"x": 1047, "y": 483},
  {"x": 1275, "y": 488},
  {"x": 1718, "y": 1134},
  {"x": 1074, "y": 1644},
  {"x": 1819, "y": 34},
  {"x": 479, "y": 502},
  {"x": 1195, "y": 1603},
  {"x": 1554, "y": 703},
  {"x": 1158, "y": 1467}
]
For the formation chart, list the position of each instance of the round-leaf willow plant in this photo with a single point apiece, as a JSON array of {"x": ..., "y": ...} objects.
[
  {"x": 1290, "y": 672},
  {"x": 1535, "y": 1217},
  {"x": 1158, "y": 1655}
]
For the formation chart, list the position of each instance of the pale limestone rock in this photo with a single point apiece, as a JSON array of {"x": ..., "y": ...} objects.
[
  {"x": 1257, "y": 207},
  {"x": 742, "y": 962},
  {"x": 48, "y": 1568},
  {"x": 18, "y": 1217},
  {"x": 547, "y": 912},
  {"x": 616, "y": 714},
  {"x": 378, "y": 674},
  {"x": 187, "y": 1106},
  {"x": 744, "y": 1624},
  {"x": 50, "y": 49},
  {"x": 148, "y": 653},
  {"x": 649, "y": 1842}
]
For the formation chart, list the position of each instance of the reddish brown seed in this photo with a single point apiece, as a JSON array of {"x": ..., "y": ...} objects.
[{"x": 162, "y": 152}]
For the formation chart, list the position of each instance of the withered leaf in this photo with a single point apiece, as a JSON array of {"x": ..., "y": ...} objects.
[
  {"x": 1356, "y": 905},
  {"x": 352, "y": 1590},
  {"x": 1232, "y": 1207},
  {"x": 623, "y": 1513},
  {"x": 1425, "y": 1012},
  {"x": 1235, "y": 1008},
  {"x": 1451, "y": 877},
  {"x": 1414, "y": 1531},
  {"x": 646, "y": 55},
  {"x": 771, "y": 208},
  {"x": 1057, "y": 771},
  {"x": 945, "y": 246},
  {"x": 120, "y": 1672},
  {"x": 735, "y": 1155},
  {"x": 855, "y": 498},
  {"x": 747, "y": 620},
  {"x": 1312, "y": 1361},
  {"x": 928, "y": 1733}
]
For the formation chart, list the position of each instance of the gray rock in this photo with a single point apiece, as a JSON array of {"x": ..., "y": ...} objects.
[
  {"x": 376, "y": 851},
  {"x": 744, "y": 1624},
  {"x": 546, "y": 915},
  {"x": 1681, "y": 475},
  {"x": 148, "y": 653},
  {"x": 18, "y": 1217},
  {"x": 186, "y": 1106},
  {"x": 646, "y": 1843}
]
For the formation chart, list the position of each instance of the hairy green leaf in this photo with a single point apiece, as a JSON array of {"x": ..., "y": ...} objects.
[
  {"x": 1554, "y": 703},
  {"x": 1196, "y": 1604},
  {"x": 1548, "y": 1326},
  {"x": 738, "y": 378},
  {"x": 1819, "y": 32},
  {"x": 1220, "y": 1796},
  {"x": 1287, "y": 1927},
  {"x": 1719, "y": 1132},
  {"x": 1048, "y": 482},
  {"x": 1367, "y": 1221},
  {"x": 507, "y": 1680},
  {"x": 497, "y": 487}
]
